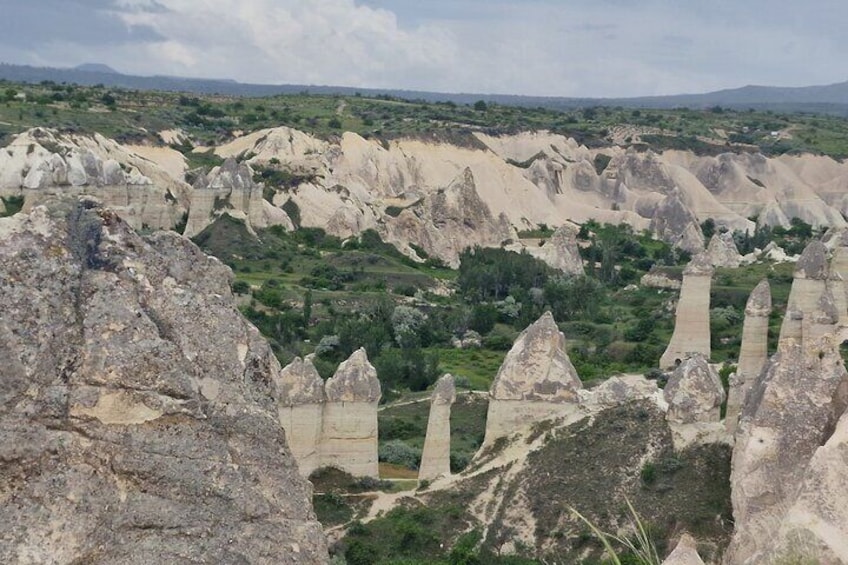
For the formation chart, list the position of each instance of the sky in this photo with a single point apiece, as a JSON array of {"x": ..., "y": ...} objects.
[{"x": 591, "y": 48}]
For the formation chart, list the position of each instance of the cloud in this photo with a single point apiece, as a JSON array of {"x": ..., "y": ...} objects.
[{"x": 548, "y": 47}]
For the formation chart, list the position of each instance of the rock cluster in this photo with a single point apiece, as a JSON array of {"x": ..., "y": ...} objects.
[
  {"x": 692, "y": 320},
  {"x": 535, "y": 382},
  {"x": 137, "y": 411},
  {"x": 41, "y": 164},
  {"x": 435, "y": 458},
  {"x": 229, "y": 189},
  {"x": 789, "y": 474},
  {"x": 332, "y": 424}
]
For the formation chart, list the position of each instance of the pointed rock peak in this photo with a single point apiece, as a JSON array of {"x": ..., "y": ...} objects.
[
  {"x": 722, "y": 251},
  {"x": 230, "y": 165},
  {"x": 826, "y": 311},
  {"x": 699, "y": 266},
  {"x": 300, "y": 383},
  {"x": 354, "y": 381},
  {"x": 813, "y": 262},
  {"x": 445, "y": 390},
  {"x": 759, "y": 303},
  {"x": 694, "y": 392},
  {"x": 537, "y": 367},
  {"x": 686, "y": 553}
]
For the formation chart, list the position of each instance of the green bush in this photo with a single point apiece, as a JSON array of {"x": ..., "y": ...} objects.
[{"x": 398, "y": 452}]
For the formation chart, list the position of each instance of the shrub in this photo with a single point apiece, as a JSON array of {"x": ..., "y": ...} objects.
[{"x": 397, "y": 452}]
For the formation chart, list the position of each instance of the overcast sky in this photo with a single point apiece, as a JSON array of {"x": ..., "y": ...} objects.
[{"x": 541, "y": 47}]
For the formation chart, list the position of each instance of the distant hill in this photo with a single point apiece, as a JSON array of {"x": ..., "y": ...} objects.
[
  {"x": 824, "y": 99},
  {"x": 96, "y": 68}
]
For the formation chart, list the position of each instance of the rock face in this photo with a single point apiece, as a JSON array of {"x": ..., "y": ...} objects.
[
  {"x": 349, "y": 437},
  {"x": 676, "y": 224},
  {"x": 137, "y": 408},
  {"x": 446, "y": 222},
  {"x": 300, "y": 407},
  {"x": 753, "y": 354},
  {"x": 435, "y": 458},
  {"x": 789, "y": 471},
  {"x": 561, "y": 251},
  {"x": 694, "y": 392},
  {"x": 692, "y": 320},
  {"x": 535, "y": 382},
  {"x": 722, "y": 251}
]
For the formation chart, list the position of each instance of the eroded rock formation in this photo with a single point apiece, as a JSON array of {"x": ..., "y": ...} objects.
[
  {"x": 692, "y": 319},
  {"x": 435, "y": 458},
  {"x": 694, "y": 392},
  {"x": 561, "y": 251},
  {"x": 229, "y": 189},
  {"x": 137, "y": 407},
  {"x": 349, "y": 438},
  {"x": 753, "y": 353},
  {"x": 300, "y": 406},
  {"x": 788, "y": 461},
  {"x": 722, "y": 251},
  {"x": 535, "y": 382},
  {"x": 41, "y": 164}
]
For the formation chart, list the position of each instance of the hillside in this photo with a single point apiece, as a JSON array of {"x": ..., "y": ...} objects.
[{"x": 823, "y": 99}]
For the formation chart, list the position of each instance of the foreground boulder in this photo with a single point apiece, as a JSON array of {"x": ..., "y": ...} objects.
[{"x": 137, "y": 411}]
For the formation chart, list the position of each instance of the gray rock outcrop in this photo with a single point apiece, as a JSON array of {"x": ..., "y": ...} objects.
[
  {"x": 535, "y": 382},
  {"x": 561, "y": 251},
  {"x": 722, "y": 251},
  {"x": 692, "y": 318},
  {"x": 676, "y": 224},
  {"x": 349, "y": 433},
  {"x": 809, "y": 284},
  {"x": 300, "y": 407},
  {"x": 753, "y": 353},
  {"x": 137, "y": 412},
  {"x": 694, "y": 392},
  {"x": 435, "y": 458}
]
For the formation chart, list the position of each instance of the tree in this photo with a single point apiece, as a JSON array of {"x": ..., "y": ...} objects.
[{"x": 481, "y": 106}]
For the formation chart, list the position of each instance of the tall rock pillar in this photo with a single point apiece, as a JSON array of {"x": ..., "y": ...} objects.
[
  {"x": 753, "y": 353},
  {"x": 692, "y": 319},
  {"x": 535, "y": 382},
  {"x": 435, "y": 459},
  {"x": 349, "y": 439},
  {"x": 300, "y": 407}
]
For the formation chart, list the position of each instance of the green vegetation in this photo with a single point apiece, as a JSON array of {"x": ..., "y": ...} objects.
[{"x": 135, "y": 116}]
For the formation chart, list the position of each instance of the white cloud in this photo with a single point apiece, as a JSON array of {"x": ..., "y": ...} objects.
[
  {"x": 549, "y": 47},
  {"x": 320, "y": 41}
]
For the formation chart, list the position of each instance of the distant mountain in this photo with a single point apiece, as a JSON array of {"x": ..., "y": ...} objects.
[
  {"x": 826, "y": 99},
  {"x": 96, "y": 68}
]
